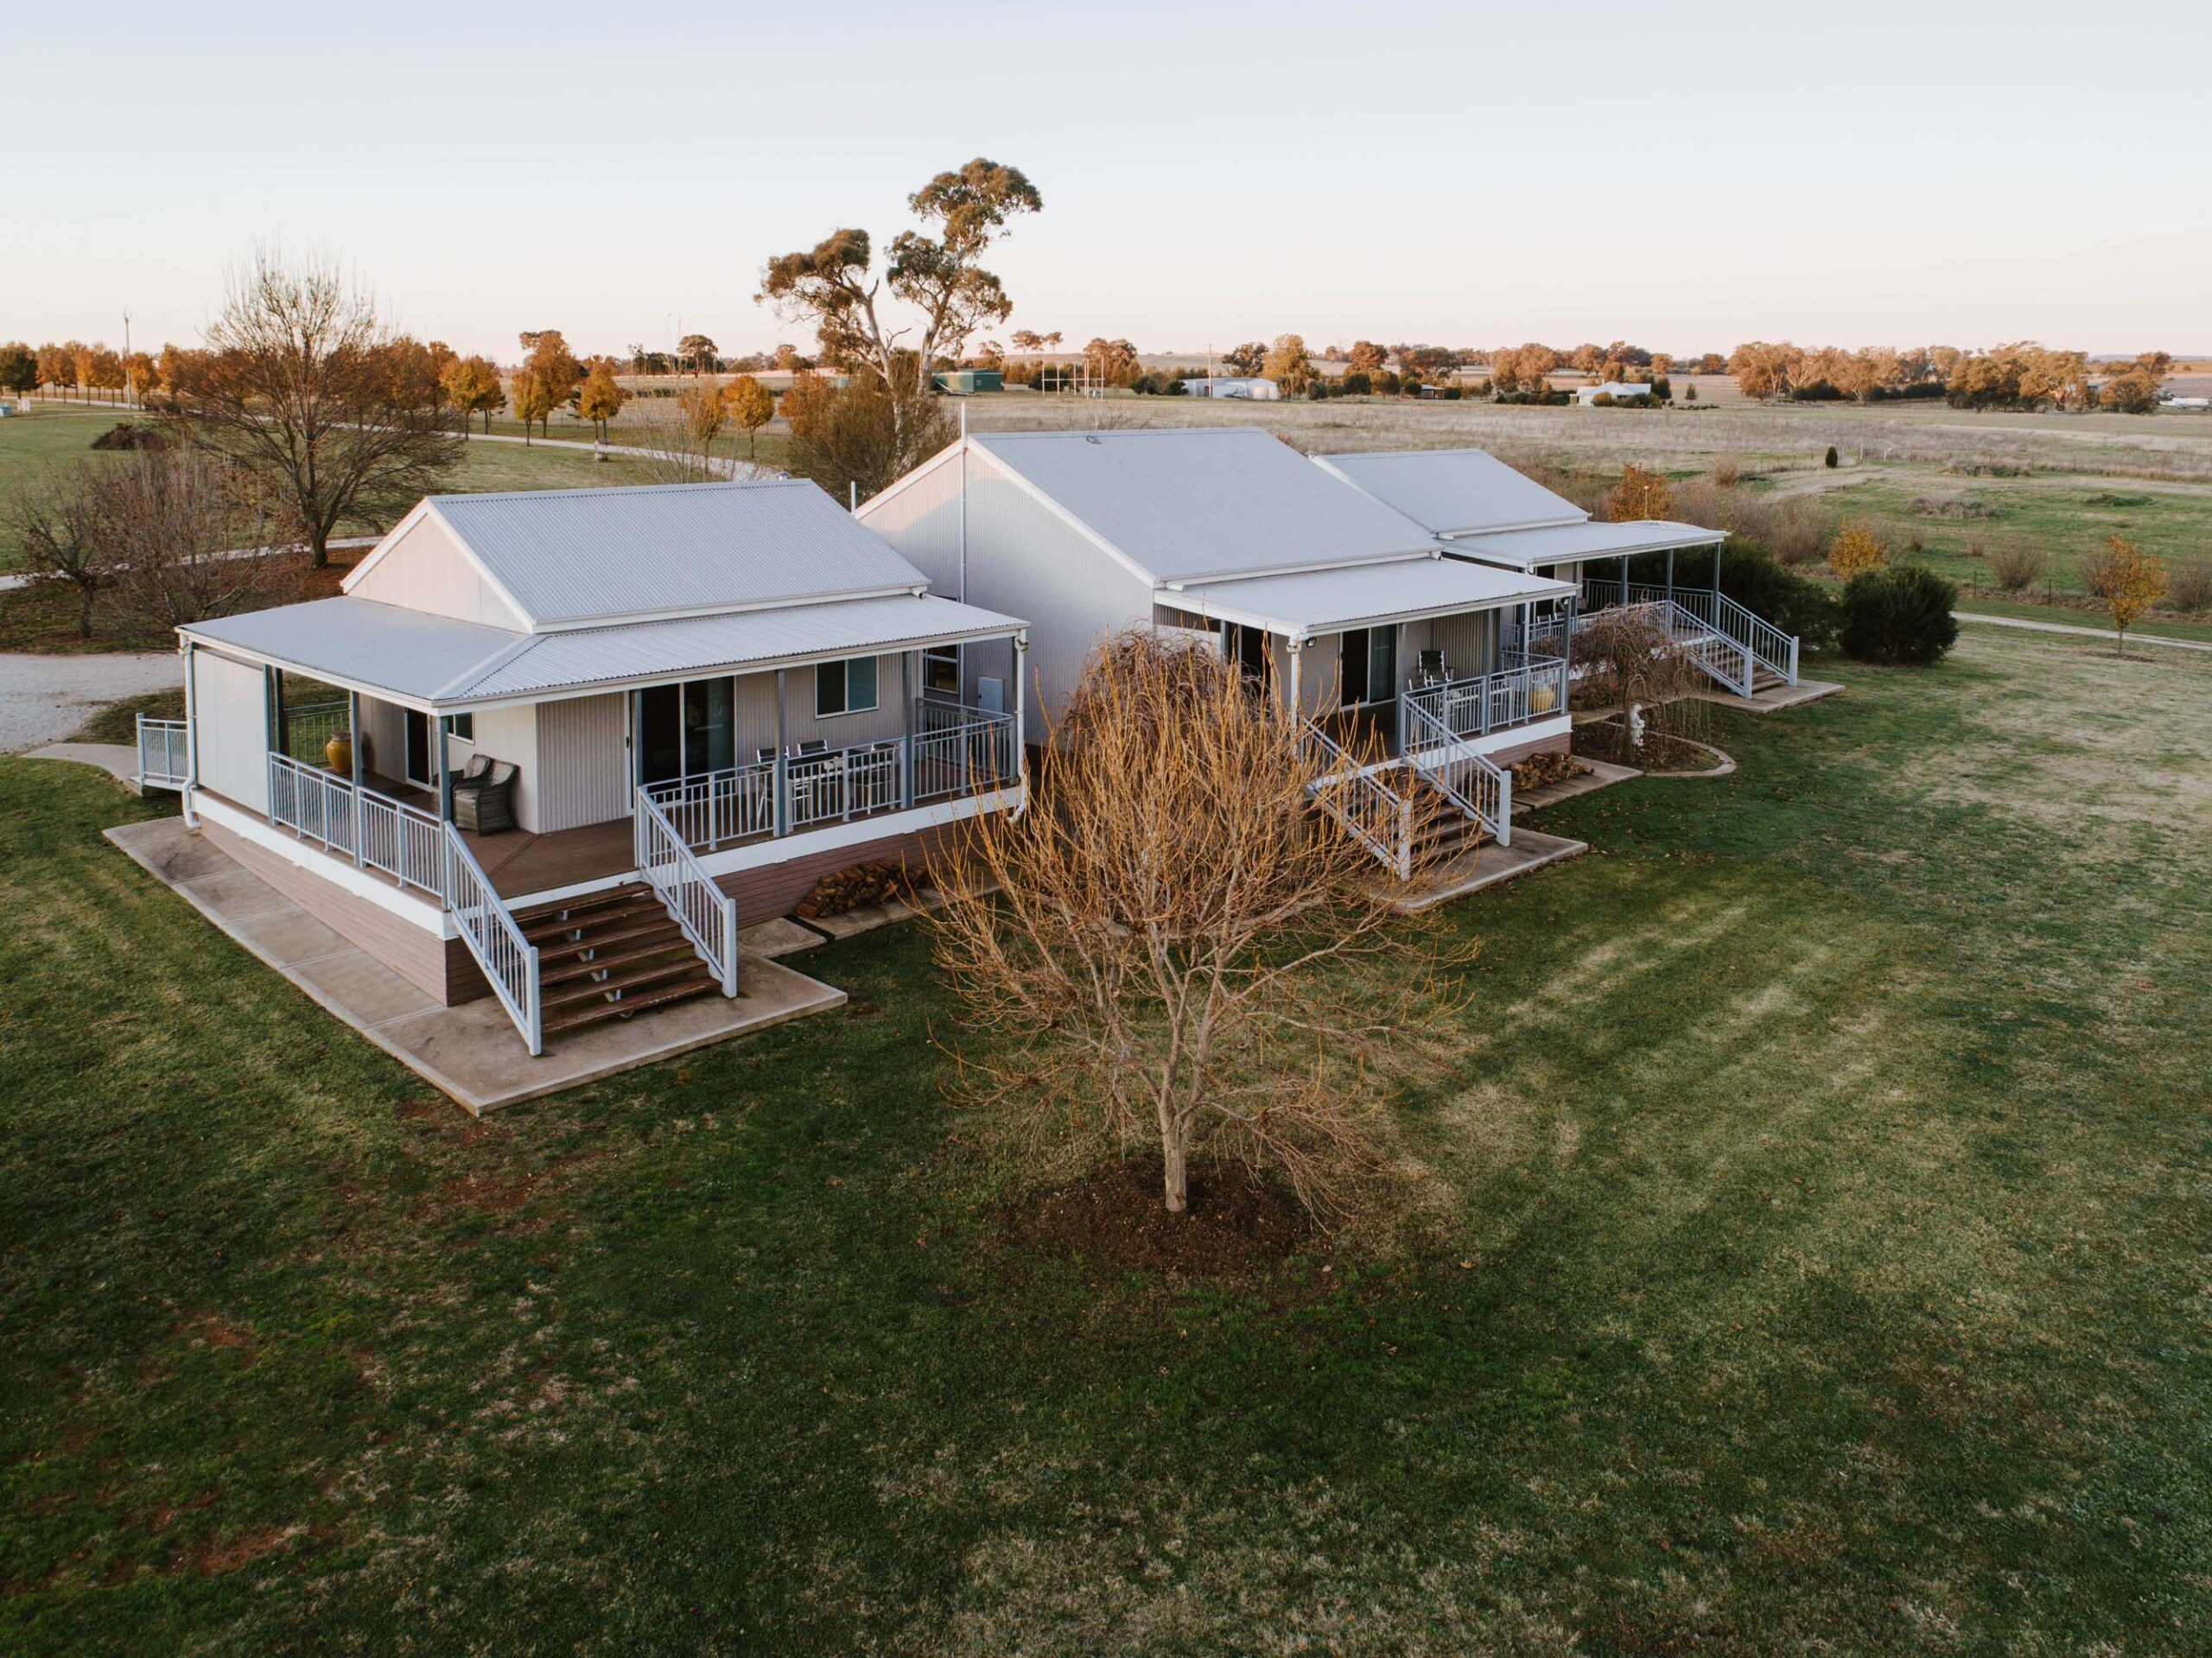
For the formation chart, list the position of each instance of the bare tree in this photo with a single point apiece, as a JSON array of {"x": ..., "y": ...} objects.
[
  {"x": 1629, "y": 659},
  {"x": 301, "y": 384},
  {"x": 55, "y": 522},
  {"x": 863, "y": 437},
  {"x": 1174, "y": 946},
  {"x": 182, "y": 538}
]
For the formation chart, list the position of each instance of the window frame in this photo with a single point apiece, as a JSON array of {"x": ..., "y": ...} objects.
[{"x": 842, "y": 667}]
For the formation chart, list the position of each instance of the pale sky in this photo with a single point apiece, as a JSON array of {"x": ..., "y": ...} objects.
[{"x": 1684, "y": 176}]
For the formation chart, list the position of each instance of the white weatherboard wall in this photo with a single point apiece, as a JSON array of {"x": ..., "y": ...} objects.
[
  {"x": 508, "y": 735},
  {"x": 582, "y": 762},
  {"x": 1024, "y": 560},
  {"x": 229, "y": 710},
  {"x": 426, "y": 570}
]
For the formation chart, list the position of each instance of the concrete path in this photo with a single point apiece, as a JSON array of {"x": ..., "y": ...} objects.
[
  {"x": 1486, "y": 866},
  {"x": 471, "y": 1052},
  {"x": 119, "y": 760},
  {"x": 45, "y": 698},
  {"x": 2079, "y": 632}
]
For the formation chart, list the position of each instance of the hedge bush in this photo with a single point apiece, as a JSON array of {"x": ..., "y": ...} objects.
[{"x": 1899, "y": 613}]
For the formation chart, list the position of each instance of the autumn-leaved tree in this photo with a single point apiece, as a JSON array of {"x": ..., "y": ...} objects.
[
  {"x": 750, "y": 406},
  {"x": 1173, "y": 948},
  {"x": 1857, "y": 550},
  {"x": 18, "y": 367},
  {"x": 533, "y": 398},
  {"x": 600, "y": 399},
  {"x": 1288, "y": 364},
  {"x": 1245, "y": 360},
  {"x": 301, "y": 385},
  {"x": 860, "y": 438},
  {"x": 1641, "y": 494},
  {"x": 472, "y": 386},
  {"x": 2128, "y": 581}
]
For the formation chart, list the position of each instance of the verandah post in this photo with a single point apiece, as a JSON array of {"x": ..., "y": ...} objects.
[
  {"x": 783, "y": 771},
  {"x": 353, "y": 731}
]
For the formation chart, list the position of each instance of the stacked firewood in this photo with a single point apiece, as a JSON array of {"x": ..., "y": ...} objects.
[
  {"x": 849, "y": 889},
  {"x": 1545, "y": 767}
]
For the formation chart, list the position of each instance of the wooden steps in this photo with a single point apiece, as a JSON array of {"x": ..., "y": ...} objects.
[{"x": 610, "y": 955}]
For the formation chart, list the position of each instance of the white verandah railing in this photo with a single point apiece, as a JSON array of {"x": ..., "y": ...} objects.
[
  {"x": 418, "y": 850},
  {"x": 949, "y": 750},
  {"x": 1533, "y": 687},
  {"x": 403, "y": 841},
  {"x": 707, "y": 914},
  {"x": 164, "y": 752}
]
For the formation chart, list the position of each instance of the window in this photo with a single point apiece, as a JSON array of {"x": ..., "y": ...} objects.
[
  {"x": 941, "y": 670},
  {"x": 462, "y": 726},
  {"x": 846, "y": 686}
]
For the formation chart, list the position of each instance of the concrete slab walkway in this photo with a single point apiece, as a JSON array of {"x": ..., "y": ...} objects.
[
  {"x": 119, "y": 760},
  {"x": 1487, "y": 866},
  {"x": 1773, "y": 698},
  {"x": 470, "y": 1052},
  {"x": 1602, "y": 774}
]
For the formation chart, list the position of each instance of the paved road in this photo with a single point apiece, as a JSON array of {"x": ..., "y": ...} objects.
[
  {"x": 44, "y": 699},
  {"x": 2080, "y": 632}
]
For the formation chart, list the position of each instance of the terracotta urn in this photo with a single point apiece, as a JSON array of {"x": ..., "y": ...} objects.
[{"x": 338, "y": 753}]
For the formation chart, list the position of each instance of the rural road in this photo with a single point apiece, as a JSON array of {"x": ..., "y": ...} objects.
[
  {"x": 43, "y": 699},
  {"x": 2079, "y": 632}
]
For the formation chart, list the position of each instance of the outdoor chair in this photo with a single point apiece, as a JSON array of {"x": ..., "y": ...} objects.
[
  {"x": 485, "y": 804},
  {"x": 1430, "y": 666}
]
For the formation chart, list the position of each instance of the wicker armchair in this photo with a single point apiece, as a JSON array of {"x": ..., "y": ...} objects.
[{"x": 485, "y": 804}]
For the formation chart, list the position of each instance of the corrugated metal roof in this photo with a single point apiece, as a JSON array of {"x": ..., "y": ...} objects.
[
  {"x": 1454, "y": 491},
  {"x": 701, "y": 645},
  {"x": 1327, "y": 601},
  {"x": 1182, "y": 504},
  {"x": 359, "y": 641},
  {"x": 1567, "y": 542},
  {"x": 431, "y": 659},
  {"x": 572, "y": 556}
]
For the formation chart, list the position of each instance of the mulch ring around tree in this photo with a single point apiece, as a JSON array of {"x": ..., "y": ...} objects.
[
  {"x": 1662, "y": 754},
  {"x": 1114, "y": 1220}
]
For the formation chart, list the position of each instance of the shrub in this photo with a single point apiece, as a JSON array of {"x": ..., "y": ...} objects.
[
  {"x": 1726, "y": 474},
  {"x": 1857, "y": 551},
  {"x": 1356, "y": 383},
  {"x": 1900, "y": 615},
  {"x": 1829, "y": 459},
  {"x": 1795, "y": 604},
  {"x": 2017, "y": 565},
  {"x": 2189, "y": 587}
]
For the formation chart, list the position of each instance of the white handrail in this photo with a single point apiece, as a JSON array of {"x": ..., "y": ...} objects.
[
  {"x": 1766, "y": 645},
  {"x": 1368, "y": 809},
  {"x": 495, "y": 938},
  {"x": 1471, "y": 782},
  {"x": 164, "y": 752},
  {"x": 707, "y": 914}
]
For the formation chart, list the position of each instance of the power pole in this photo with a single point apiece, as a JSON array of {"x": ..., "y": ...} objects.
[{"x": 130, "y": 389}]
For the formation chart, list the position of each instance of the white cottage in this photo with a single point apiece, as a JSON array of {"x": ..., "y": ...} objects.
[
  {"x": 1355, "y": 614},
  {"x": 560, "y": 745}
]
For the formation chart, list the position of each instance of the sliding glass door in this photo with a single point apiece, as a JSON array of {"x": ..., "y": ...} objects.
[{"x": 686, "y": 730}]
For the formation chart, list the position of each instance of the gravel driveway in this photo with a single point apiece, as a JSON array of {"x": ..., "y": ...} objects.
[{"x": 43, "y": 699}]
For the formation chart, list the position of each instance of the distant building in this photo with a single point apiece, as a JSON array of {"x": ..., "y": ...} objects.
[
  {"x": 1224, "y": 386},
  {"x": 966, "y": 382},
  {"x": 1586, "y": 395}
]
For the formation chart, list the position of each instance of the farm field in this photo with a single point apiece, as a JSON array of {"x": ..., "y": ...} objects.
[
  {"x": 1948, "y": 477},
  {"x": 1810, "y": 1259}
]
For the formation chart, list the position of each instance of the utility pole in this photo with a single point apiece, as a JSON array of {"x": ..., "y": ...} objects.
[{"x": 130, "y": 389}]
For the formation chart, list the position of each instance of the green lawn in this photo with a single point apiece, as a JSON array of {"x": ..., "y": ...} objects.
[{"x": 1820, "y": 1268}]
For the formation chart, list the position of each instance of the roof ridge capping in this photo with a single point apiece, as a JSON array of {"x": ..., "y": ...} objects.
[{"x": 593, "y": 490}]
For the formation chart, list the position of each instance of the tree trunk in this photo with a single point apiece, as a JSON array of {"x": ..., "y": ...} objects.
[
  {"x": 1174, "y": 1157},
  {"x": 319, "y": 538}
]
